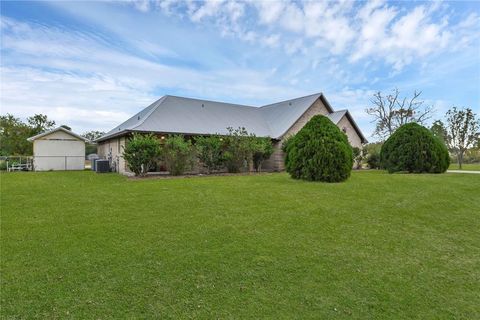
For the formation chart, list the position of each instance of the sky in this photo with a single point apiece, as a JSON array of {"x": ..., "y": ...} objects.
[{"x": 92, "y": 65}]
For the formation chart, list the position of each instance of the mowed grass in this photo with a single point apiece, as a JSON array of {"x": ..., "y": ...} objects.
[
  {"x": 465, "y": 166},
  {"x": 82, "y": 245}
]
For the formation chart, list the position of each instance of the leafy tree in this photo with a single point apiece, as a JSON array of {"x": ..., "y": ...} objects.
[
  {"x": 141, "y": 153},
  {"x": 237, "y": 149},
  {"x": 13, "y": 136},
  {"x": 392, "y": 111},
  {"x": 210, "y": 152},
  {"x": 462, "y": 130},
  {"x": 414, "y": 149},
  {"x": 14, "y": 133},
  {"x": 438, "y": 129},
  {"x": 39, "y": 123},
  {"x": 178, "y": 154},
  {"x": 372, "y": 154},
  {"x": 262, "y": 149},
  {"x": 93, "y": 135},
  {"x": 357, "y": 157},
  {"x": 319, "y": 152}
]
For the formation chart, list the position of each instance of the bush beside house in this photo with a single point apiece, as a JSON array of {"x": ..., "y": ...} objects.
[
  {"x": 235, "y": 151},
  {"x": 141, "y": 152},
  {"x": 319, "y": 152}
]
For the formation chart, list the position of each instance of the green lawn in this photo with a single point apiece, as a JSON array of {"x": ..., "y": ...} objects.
[
  {"x": 88, "y": 246},
  {"x": 465, "y": 166}
]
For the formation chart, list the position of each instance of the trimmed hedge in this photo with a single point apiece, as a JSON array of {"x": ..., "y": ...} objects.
[
  {"x": 414, "y": 149},
  {"x": 319, "y": 152}
]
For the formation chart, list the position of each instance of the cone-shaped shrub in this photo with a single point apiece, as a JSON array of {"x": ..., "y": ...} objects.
[
  {"x": 319, "y": 152},
  {"x": 413, "y": 148}
]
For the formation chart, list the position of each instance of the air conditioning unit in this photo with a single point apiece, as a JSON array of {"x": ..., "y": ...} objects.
[{"x": 102, "y": 166}]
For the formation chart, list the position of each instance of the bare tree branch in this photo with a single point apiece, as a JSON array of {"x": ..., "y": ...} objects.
[{"x": 392, "y": 111}]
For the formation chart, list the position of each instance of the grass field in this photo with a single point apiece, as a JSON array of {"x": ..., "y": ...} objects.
[
  {"x": 466, "y": 166},
  {"x": 88, "y": 246}
]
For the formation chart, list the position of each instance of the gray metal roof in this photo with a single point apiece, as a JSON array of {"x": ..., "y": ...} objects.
[
  {"x": 46, "y": 133},
  {"x": 172, "y": 114},
  {"x": 336, "y": 116}
]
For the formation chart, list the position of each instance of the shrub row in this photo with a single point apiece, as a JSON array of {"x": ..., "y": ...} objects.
[{"x": 234, "y": 151}]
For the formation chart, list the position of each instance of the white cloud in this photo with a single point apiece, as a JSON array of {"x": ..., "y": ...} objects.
[
  {"x": 271, "y": 40},
  {"x": 391, "y": 32},
  {"x": 269, "y": 11},
  {"x": 98, "y": 87}
]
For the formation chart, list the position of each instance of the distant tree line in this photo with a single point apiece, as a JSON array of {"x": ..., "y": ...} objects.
[
  {"x": 459, "y": 133},
  {"x": 14, "y": 134}
]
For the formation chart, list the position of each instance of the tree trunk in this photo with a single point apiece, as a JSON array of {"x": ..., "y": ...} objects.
[{"x": 460, "y": 159}]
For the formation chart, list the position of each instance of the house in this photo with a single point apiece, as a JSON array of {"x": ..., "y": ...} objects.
[
  {"x": 192, "y": 117},
  {"x": 58, "y": 149}
]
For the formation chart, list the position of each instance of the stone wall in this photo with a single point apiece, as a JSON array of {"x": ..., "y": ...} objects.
[
  {"x": 114, "y": 148},
  {"x": 347, "y": 127}
]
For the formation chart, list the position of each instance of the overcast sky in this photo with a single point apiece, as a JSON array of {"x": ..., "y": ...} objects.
[{"x": 91, "y": 65}]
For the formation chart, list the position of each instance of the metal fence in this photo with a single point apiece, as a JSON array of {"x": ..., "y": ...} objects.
[{"x": 44, "y": 163}]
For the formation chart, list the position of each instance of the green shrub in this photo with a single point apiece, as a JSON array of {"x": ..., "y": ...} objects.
[
  {"x": 178, "y": 154},
  {"x": 373, "y": 160},
  {"x": 413, "y": 148},
  {"x": 237, "y": 149},
  {"x": 3, "y": 165},
  {"x": 371, "y": 154},
  {"x": 262, "y": 149},
  {"x": 141, "y": 152},
  {"x": 210, "y": 152},
  {"x": 319, "y": 152}
]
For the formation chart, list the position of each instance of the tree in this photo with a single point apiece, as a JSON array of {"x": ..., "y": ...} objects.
[
  {"x": 371, "y": 153},
  {"x": 462, "y": 128},
  {"x": 414, "y": 149},
  {"x": 141, "y": 153},
  {"x": 39, "y": 123},
  {"x": 91, "y": 145},
  {"x": 438, "y": 129},
  {"x": 262, "y": 149},
  {"x": 13, "y": 136},
  {"x": 177, "y": 153},
  {"x": 210, "y": 152},
  {"x": 93, "y": 135},
  {"x": 319, "y": 152},
  {"x": 392, "y": 111},
  {"x": 14, "y": 133}
]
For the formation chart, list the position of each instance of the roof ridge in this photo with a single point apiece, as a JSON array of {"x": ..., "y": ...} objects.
[
  {"x": 158, "y": 103},
  {"x": 309, "y": 95},
  {"x": 206, "y": 100},
  {"x": 60, "y": 128}
]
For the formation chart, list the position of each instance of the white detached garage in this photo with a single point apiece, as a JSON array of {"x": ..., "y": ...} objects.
[{"x": 58, "y": 149}]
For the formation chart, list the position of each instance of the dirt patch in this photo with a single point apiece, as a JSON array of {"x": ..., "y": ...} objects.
[{"x": 225, "y": 174}]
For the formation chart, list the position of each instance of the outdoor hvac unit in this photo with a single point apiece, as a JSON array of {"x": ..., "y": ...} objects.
[
  {"x": 92, "y": 163},
  {"x": 102, "y": 166}
]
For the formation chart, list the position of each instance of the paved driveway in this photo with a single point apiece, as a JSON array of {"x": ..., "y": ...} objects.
[{"x": 463, "y": 171}]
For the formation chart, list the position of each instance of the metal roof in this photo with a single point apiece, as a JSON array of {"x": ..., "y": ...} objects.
[
  {"x": 46, "y": 133},
  {"x": 172, "y": 114}
]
